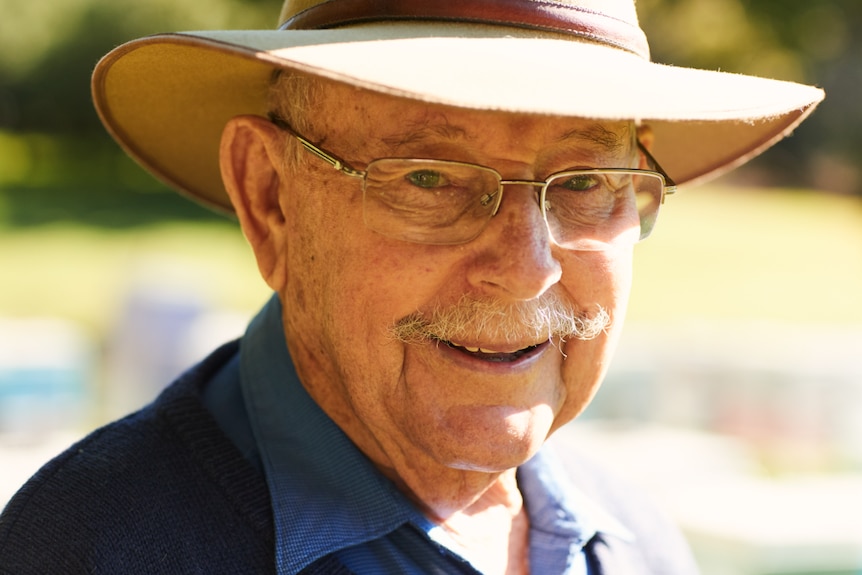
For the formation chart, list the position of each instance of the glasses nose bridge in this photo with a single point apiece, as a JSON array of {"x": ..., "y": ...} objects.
[{"x": 503, "y": 183}]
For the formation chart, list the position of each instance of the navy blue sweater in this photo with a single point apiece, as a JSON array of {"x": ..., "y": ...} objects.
[{"x": 164, "y": 491}]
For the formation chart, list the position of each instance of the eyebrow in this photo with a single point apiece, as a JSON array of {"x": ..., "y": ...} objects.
[
  {"x": 599, "y": 135},
  {"x": 426, "y": 130}
]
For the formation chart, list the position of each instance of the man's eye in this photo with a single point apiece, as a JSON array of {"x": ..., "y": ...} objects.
[
  {"x": 427, "y": 179},
  {"x": 580, "y": 183}
]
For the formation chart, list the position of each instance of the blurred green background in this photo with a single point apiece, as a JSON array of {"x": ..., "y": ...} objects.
[{"x": 744, "y": 336}]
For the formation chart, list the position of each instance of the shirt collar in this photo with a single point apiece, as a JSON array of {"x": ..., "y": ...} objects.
[
  {"x": 558, "y": 508},
  {"x": 309, "y": 463}
]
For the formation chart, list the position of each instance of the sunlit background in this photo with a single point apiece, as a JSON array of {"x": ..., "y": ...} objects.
[{"x": 736, "y": 396}]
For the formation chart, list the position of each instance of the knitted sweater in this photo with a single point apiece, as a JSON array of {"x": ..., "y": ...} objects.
[{"x": 164, "y": 491}]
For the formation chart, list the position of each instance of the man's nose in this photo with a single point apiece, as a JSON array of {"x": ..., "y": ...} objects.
[{"x": 514, "y": 258}]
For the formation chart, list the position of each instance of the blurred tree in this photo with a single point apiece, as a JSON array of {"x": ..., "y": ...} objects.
[{"x": 56, "y": 161}]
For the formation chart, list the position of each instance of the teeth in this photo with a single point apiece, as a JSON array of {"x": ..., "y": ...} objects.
[{"x": 477, "y": 349}]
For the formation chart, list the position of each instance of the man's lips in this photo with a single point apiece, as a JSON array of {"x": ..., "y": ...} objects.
[{"x": 493, "y": 355}]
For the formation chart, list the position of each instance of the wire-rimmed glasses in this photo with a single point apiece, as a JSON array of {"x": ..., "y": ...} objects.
[{"x": 445, "y": 202}]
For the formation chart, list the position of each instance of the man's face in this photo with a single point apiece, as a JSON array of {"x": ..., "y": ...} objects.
[{"x": 425, "y": 400}]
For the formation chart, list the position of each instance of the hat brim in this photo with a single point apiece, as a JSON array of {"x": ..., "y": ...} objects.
[{"x": 167, "y": 98}]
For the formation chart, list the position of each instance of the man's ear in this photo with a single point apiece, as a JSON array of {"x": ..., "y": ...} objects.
[
  {"x": 252, "y": 167},
  {"x": 646, "y": 138}
]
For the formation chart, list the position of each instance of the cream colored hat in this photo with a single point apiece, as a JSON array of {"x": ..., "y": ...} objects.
[{"x": 166, "y": 98}]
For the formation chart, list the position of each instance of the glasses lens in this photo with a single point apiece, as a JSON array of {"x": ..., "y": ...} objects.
[
  {"x": 429, "y": 201},
  {"x": 598, "y": 209}
]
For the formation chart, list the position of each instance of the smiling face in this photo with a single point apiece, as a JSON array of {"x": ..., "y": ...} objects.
[{"x": 485, "y": 394}]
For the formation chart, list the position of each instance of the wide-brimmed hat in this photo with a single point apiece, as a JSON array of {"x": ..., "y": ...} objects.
[{"x": 166, "y": 98}]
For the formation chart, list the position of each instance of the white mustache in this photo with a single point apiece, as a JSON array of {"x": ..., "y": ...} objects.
[{"x": 548, "y": 317}]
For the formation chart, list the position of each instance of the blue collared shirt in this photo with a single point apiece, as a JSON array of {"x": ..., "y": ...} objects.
[{"x": 328, "y": 498}]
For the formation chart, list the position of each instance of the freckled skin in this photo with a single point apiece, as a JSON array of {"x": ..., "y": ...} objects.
[{"x": 441, "y": 425}]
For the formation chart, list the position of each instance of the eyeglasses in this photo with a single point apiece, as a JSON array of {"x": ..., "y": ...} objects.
[{"x": 444, "y": 202}]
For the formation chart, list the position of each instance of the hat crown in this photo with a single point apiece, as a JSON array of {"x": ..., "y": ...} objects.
[{"x": 611, "y": 22}]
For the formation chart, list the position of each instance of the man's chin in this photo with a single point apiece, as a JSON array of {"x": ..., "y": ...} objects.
[{"x": 499, "y": 440}]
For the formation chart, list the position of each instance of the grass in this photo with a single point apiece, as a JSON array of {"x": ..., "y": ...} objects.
[
  {"x": 84, "y": 274},
  {"x": 717, "y": 253},
  {"x": 720, "y": 253}
]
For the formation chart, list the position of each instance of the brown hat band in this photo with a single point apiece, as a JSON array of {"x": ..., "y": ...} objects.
[{"x": 536, "y": 14}]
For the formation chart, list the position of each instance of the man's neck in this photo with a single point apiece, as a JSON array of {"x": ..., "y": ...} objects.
[
  {"x": 488, "y": 523},
  {"x": 493, "y": 533}
]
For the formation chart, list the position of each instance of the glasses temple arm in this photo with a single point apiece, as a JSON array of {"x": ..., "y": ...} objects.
[
  {"x": 330, "y": 159},
  {"x": 669, "y": 185}
]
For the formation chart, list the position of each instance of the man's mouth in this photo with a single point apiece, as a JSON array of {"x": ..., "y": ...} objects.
[{"x": 493, "y": 355}]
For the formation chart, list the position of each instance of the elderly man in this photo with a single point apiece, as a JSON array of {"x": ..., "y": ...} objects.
[{"x": 444, "y": 198}]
